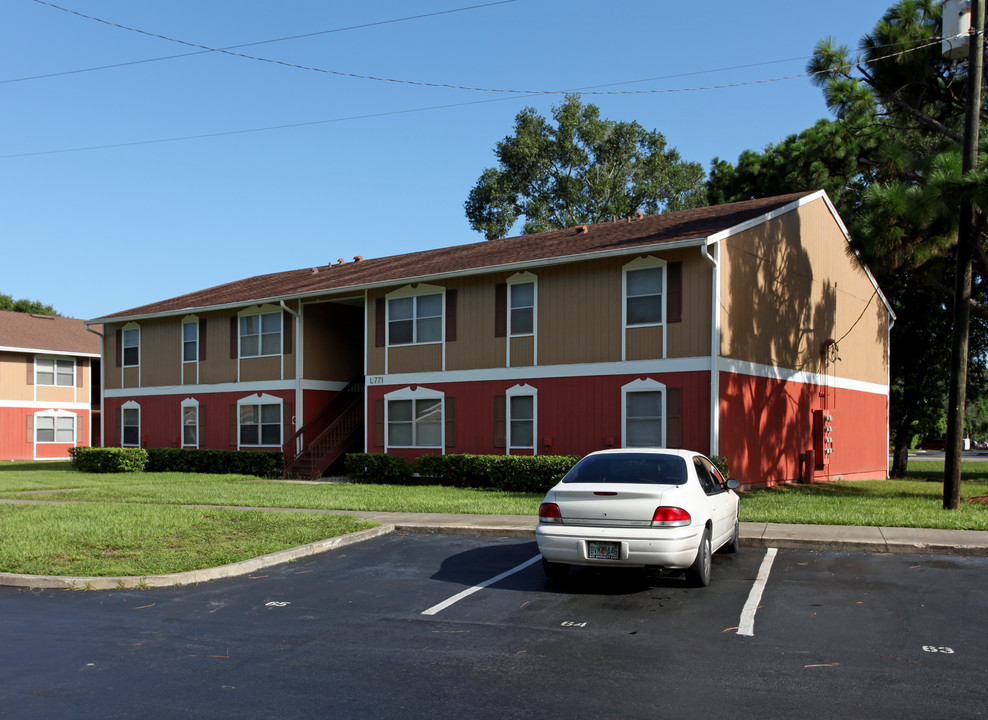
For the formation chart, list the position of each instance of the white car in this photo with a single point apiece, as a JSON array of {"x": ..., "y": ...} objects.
[{"x": 643, "y": 507}]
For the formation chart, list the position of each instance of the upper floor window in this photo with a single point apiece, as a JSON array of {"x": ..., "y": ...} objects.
[
  {"x": 55, "y": 428},
  {"x": 643, "y": 296},
  {"x": 260, "y": 335},
  {"x": 54, "y": 371},
  {"x": 190, "y": 341},
  {"x": 131, "y": 347},
  {"x": 415, "y": 320},
  {"x": 521, "y": 301}
]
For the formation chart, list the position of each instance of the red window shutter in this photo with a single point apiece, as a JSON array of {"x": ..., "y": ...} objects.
[
  {"x": 234, "y": 337},
  {"x": 202, "y": 339},
  {"x": 380, "y": 327},
  {"x": 201, "y": 431},
  {"x": 501, "y": 311},
  {"x": 80, "y": 367},
  {"x": 118, "y": 341},
  {"x": 118, "y": 426},
  {"x": 450, "y": 315},
  {"x": 233, "y": 424},
  {"x": 379, "y": 423},
  {"x": 286, "y": 332},
  {"x": 30, "y": 428},
  {"x": 287, "y": 428},
  {"x": 500, "y": 421},
  {"x": 30, "y": 369},
  {"x": 450, "y": 421},
  {"x": 674, "y": 418},
  {"x": 674, "y": 301}
]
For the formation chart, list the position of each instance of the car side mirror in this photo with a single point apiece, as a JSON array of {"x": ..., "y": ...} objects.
[{"x": 733, "y": 483}]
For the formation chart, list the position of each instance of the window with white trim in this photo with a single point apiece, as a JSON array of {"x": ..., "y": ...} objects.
[
  {"x": 521, "y": 415},
  {"x": 260, "y": 335},
  {"x": 190, "y": 423},
  {"x": 130, "y": 424},
  {"x": 521, "y": 308},
  {"x": 643, "y": 283},
  {"x": 190, "y": 341},
  {"x": 643, "y": 413},
  {"x": 55, "y": 428},
  {"x": 414, "y": 418},
  {"x": 260, "y": 424},
  {"x": 54, "y": 371},
  {"x": 415, "y": 320},
  {"x": 131, "y": 347}
]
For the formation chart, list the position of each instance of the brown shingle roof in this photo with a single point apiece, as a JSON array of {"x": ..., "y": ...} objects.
[
  {"x": 44, "y": 332},
  {"x": 540, "y": 247}
]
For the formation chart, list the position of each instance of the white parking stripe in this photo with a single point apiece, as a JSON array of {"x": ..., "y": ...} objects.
[
  {"x": 470, "y": 591},
  {"x": 747, "y": 625}
]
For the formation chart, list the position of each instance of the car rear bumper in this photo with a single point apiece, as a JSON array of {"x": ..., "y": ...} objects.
[{"x": 671, "y": 548}]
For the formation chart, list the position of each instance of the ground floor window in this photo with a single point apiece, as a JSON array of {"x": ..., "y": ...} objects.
[
  {"x": 643, "y": 414},
  {"x": 190, "y": 423},
  {"x": 130, "y": 425},
  {"x": 55, "y": 428},
  {"x": 260, "y": 425},
  {"x": 415, "y": 422}
]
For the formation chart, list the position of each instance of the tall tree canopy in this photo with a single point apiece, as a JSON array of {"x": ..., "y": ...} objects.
[
  {"x": 583, "y": 169},
  {"x": 35, "y": 307}
]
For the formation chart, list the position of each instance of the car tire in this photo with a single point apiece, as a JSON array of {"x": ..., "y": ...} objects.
[
  {"x": 698, "y": 574},
  {"x": 555, "y": 572},
  {"x": 734, "y": 543}
]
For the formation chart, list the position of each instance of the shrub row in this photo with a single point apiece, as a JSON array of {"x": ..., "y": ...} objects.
[
  {"x": 260, "y": 463},
  {"x": 512, "y": 473}
]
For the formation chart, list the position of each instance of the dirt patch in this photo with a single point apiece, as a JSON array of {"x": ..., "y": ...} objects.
[{"x": 982, "y": 500}]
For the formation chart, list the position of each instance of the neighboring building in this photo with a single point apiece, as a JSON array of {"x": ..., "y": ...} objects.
[
  {"x": 745, "y": 330},
  {"x": 48, "y": 403}
]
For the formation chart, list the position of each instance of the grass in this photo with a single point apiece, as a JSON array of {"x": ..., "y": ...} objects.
[{"x": 138, "y": 524}]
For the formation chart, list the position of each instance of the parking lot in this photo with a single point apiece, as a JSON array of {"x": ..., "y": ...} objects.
[{"x": 429, "y": 625}]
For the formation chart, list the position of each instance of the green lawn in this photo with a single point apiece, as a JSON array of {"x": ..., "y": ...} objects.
[{"x": 136, "y": 524}]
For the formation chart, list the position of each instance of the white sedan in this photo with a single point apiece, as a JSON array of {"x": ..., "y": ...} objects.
[{"x": 643, "y": 507}]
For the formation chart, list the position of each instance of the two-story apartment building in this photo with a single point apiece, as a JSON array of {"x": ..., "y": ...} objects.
[
  {"x": 46, "y": 386},
  {"x": 745, "y": 330}
]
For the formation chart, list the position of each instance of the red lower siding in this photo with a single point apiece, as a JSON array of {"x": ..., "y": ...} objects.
[
  {"x": 765, "y": 425},
  {"x": 14, "y": 442}
]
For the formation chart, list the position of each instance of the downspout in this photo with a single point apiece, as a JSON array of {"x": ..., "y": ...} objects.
[
  {"x": 298, "y": 362},
  {"x": 102, "y": 400},
  {"x": 714, "y": 261}
]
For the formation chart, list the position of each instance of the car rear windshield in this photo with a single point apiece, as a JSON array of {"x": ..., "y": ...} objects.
[{"x": 644, "y": 468}]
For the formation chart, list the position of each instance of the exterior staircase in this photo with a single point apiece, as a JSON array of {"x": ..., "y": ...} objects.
[{"x": 324, "y": 438}]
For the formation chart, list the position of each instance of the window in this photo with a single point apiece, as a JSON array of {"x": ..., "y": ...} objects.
[
  {"x": 53, "y": 371},
  {"x": 130, "y": 424},
  {"x": 190, "y": 341},
  {"x": 260, "y": 335},
  {"x": 643, "y": 296},
  {"x": 521, "y": 424},
  {"x": 415, "y": 320},
  {"x": 521, "y": 300},
  {"x": 415, "y": 423},
  {"x": 55, "y": 428},
  {"x": 709, "y": 476},
  {"x": 643, "y": 419},
  {"x": 131, "y": 347},
  {"x": 190, "y": 423},
  {"x": 260, "y": 425}
]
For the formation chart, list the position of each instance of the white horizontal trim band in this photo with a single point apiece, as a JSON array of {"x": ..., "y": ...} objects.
[
  {"x": 42, "y": 405},
  {"x": 48, "y": 351},
  {"x": 740, "y": 367},
  {"x": 231, "y": 387}
]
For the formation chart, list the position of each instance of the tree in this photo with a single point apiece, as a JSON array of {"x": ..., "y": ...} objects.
[
  {"x": 35, "y": 307},
  {"x": 582, "y": 170}
]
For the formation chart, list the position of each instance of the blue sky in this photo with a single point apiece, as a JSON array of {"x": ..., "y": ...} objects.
[{"x": 104, "y": 208}]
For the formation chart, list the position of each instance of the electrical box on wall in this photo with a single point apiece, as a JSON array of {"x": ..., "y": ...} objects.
[{"x": 823, "y": 436}]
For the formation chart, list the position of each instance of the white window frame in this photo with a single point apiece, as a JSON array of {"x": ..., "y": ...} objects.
[
  {"x": 639, "y": 386},
  {"x": 129, "y": 405},
  {"x": 132, "y": 330},
  {"x": 192, "y": 403},
  {"x": 644, "y": 263},
  {"x": 513, "y": 282},
  {"x": 260, "y": 312},
  {"x": 192, "y": 321},
  {"x": 55, "y": 362},
  {"x": 419, "y": 394},
  {"x": 519, "y": 391},
  {"x": 55, "y": 416},
  {"x": 260, "y": 400},
  {"x": 420, "y": 290}
]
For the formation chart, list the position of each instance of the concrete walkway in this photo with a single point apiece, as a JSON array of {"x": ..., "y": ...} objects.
[{"x": 758, "y": 535}]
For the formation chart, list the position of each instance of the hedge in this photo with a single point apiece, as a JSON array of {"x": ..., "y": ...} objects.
[
  {"x": 108, "y": 460},
  {"x": 260, "y": 463}
]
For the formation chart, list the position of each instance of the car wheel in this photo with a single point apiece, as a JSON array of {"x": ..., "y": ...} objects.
[
  {"x": 698, "y": 574},
  {"x": 554, "y": 571},
  {"x": 734, "y": 543}
]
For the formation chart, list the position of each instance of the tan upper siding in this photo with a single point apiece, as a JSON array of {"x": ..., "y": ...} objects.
[
  {"x": 788, "y": 286},
  {"x": 691, "y": 337},
  {"x": 16, "y": 386},
  {"x": 415, "y": 358},
  {"x": 218, "y": 366},
  {"x": 475, "y": 345},
  {"x": 334, "y": 334},
  {"x": 161, "y": 352},
  {"x": 13, "y": 377}
]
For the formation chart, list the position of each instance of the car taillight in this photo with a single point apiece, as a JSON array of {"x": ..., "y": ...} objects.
[
  {"x": 549, "y": 512},
  {"x": 669, "y": 516}
]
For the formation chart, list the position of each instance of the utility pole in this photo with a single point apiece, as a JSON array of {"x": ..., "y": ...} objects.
[{"x": 962, "y": 277}]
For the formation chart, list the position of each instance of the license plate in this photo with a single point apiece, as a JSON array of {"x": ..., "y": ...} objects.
[{"x": 604, "y": 550}]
